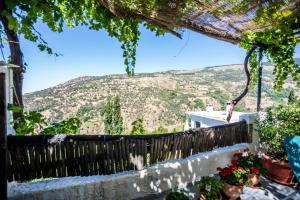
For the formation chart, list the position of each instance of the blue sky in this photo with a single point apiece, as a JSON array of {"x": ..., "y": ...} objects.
[{"x": 87, "y": 52}]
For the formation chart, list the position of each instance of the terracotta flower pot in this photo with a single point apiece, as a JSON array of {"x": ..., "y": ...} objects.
[
  {"x": 232, "y": 191},
  {"x": 254, "y": 180},
  {"x": 277, "y": 171}
]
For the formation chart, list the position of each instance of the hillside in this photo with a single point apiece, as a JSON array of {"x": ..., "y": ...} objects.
[{"x": 160, "y": 98}]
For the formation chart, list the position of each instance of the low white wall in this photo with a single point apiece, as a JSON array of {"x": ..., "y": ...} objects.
[{"x": 128, "y": 185}]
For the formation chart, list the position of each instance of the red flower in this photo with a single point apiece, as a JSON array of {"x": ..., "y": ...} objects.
[
  {"x": 225, "y": 172},
  {"x": 238, "y": 155},
  {"x": 241, "y": 184},
  {"x": 219, "y": 169},
  {"x": 233, "y": 167},
  {"x": 255, "y": 170},
  {"x": 234, "y": 162},
  {"x": 241, "y": 168},
  {"x": 247, "y": 149}
]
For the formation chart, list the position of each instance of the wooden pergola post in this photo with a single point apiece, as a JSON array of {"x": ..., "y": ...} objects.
[{"x": 3, "y": 139}]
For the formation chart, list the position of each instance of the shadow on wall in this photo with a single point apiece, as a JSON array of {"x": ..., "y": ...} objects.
[
  {"x": 150, "y": 183},
  {"x": 179, "y": 174}
]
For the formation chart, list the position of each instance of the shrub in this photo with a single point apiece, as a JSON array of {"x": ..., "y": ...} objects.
[
  {"x": 28, "y": 123},
  {"x": 279, "y": 122},
  {"x": 68, "y": 126},
  {"x": 176, "y": 196},
  {"x": 210, "y": 187},
  {"x": 138, "y": 127}
]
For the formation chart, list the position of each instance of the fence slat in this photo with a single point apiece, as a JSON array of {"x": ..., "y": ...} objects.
[{"x": 31, "y": 157}]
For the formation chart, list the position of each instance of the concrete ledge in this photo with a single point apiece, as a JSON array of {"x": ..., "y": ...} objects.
[{"x": 128, "y": 185}]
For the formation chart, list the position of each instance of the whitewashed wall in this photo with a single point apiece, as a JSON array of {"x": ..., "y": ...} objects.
[{"x": 129, "y": 185}]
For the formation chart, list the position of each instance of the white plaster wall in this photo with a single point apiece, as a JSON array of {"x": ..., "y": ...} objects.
[
  {"x": 129, "y": 185},
  {"x": 206, "y": 122}
]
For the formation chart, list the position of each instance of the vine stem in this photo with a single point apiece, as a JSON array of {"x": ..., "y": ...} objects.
[{"x": 235, "y": 101}]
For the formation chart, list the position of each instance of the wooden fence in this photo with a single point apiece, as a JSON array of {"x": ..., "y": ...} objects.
[{"x": 32, "y": 157}]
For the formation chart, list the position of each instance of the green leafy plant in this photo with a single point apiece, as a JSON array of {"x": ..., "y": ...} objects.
[
  {"x": 138, "y": 127},
  {"x": 176, "y": 196},
  {"x": 279, "y": 122},
  {"x": 68, "y": 126},
  {"x": 278, "y": 43},
  {"x": 29, "y": 123},
  {"x": 292, "y": 98},
  {"x": 210, "y": 187}
]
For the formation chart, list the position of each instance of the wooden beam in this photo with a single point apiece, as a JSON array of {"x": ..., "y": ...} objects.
[{"x": 3, "y": 139}]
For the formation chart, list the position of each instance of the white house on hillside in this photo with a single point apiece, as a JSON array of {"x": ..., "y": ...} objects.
[{"x": 212, "y": 118}]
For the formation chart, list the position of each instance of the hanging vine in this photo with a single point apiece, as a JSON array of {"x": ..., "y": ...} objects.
[{"x": 121, "y": 19}]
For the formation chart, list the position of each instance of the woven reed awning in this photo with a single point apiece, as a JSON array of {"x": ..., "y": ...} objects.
[{"x": 221, "y": 19}]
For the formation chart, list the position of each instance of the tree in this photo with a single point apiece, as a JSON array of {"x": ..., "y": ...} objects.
[
  {"x": 113, "y": 121},
  {"x": 292, "y": 97},
  {"x": 108, "y": 117},
  {"x": 117, "y": 117},
  {"x": 138, "y": 127}
]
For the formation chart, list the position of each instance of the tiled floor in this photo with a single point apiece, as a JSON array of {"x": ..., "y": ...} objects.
[{"x": 271, "y": 191}]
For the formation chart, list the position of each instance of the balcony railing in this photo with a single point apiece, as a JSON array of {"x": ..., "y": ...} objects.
[{"x": 32, "y": 157}]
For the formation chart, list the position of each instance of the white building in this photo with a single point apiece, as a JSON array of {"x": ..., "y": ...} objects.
[
  {"x": 212, "y": 118},
  {"x": 7, "y": 69}
]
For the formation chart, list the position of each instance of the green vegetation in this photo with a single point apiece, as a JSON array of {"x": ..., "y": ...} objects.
[
  {"x": 32, "y": 123},
  {"x": 113, "y": 121},
  {"x": 161, "y": 130},
  {"x": 138, "y": 127},
  {"x": 221, "y": 97},
  {"x": 176, "y": 196},
  {"x": 68, "y": 126},
  {"x": 280, "y": 121},
  {"x": 278, "y": 42},
  {"x": 199, "y": 104},
  {"x": 210, "y": 187},
  {"x": 29, "y": 123},
  {"x": 160, "y": 105},
  {"x": 292, "y": 97}
]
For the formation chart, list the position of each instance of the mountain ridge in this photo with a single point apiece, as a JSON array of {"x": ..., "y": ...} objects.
[{"x": 161, "y": 98}]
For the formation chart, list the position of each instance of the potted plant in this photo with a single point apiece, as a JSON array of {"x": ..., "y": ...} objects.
[
  {"x": 210, "y": 188},
  {"x": 234, "y": 178},
  {"x": 175, "y": 195},
  {"x": 251, "y": 162},
  {"x": 280, "y": 121}
]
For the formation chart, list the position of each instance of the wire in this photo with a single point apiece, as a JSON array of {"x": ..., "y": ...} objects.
[{"x": 183, "y": 47}]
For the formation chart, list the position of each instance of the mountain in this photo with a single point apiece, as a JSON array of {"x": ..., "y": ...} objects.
[{"x": 160, "y": 98}]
